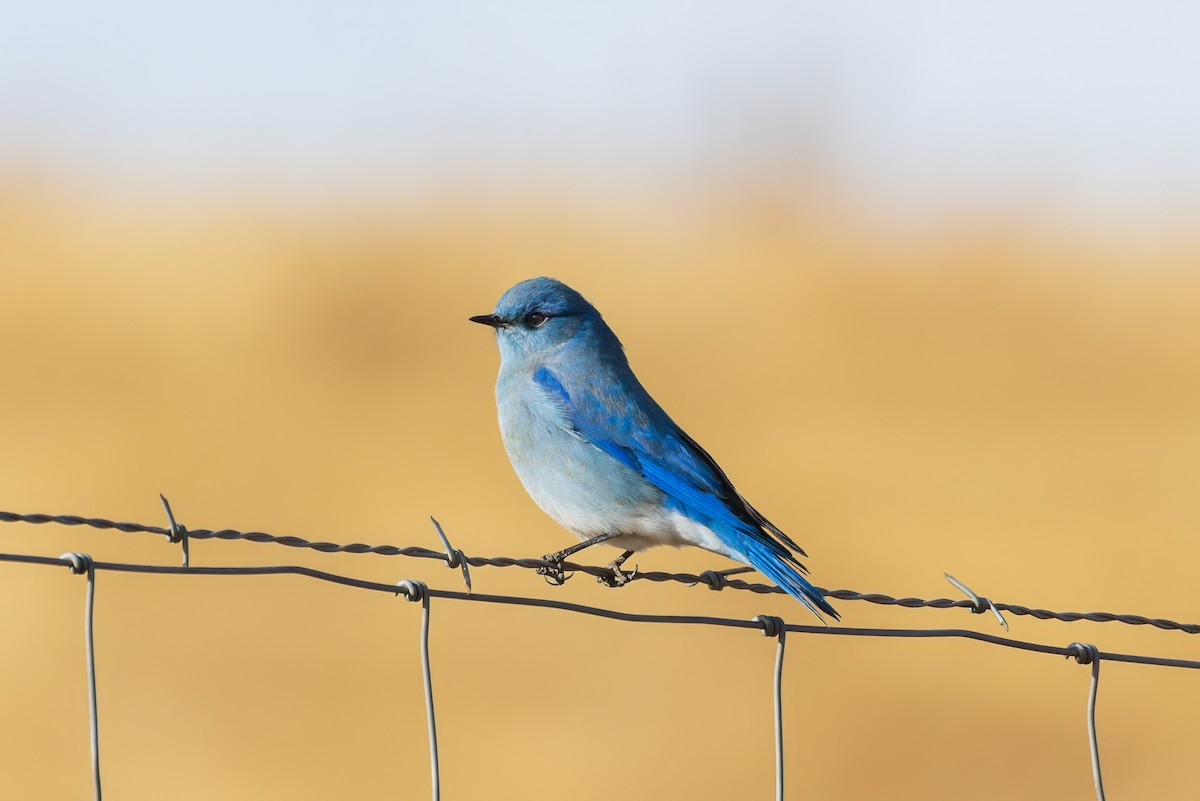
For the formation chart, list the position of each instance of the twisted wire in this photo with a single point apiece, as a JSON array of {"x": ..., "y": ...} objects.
[{"x": 709, "y": 578}]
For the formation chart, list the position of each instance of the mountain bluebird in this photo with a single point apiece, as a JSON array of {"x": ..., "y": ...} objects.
[{"x": 598, "y": 455}]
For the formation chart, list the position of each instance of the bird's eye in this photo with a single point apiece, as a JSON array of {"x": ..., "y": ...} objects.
[{"x": 535, "y": 319}]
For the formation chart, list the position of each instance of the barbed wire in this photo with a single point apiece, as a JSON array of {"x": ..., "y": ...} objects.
[{"x": 713, "y": 579}]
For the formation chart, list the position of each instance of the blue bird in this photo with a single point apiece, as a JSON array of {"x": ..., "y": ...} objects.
[{"x": 602, "y": 458}]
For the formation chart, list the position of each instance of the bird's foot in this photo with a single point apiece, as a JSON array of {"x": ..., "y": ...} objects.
[
  {"x": 553, "y": 571},
  {"x": 618, "y": 577}
]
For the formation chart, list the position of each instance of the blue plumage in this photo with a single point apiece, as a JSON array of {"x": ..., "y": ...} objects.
[{"x": 601, "y": 457}]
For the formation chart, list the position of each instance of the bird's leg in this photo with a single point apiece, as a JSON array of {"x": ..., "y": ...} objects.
[
  {"x": 553, "y": 572},
  {"x": 619, "y": 578}
]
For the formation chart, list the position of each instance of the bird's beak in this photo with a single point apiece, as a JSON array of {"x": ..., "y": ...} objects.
[{"x": 489, "y": 319}]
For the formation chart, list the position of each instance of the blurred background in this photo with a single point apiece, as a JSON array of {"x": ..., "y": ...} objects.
[{"x": 924, "y": 278}]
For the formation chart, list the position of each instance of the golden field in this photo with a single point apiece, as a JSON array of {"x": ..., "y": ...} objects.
[{"x": 1018, "y": 409}]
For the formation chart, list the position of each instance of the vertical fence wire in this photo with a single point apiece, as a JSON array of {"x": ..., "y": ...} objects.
[
  {"x": 1092, "y": 741},
  {"x": 1093, "y": 655},
  {"x": 427, "y": 674},
  {"x": 418, "y": 591},
  {"x": 1085, "y": 654},
  {"x": 81, "y": 564},
  {"x": 93, "y": 714},
  {"x": 774, "y": 627}
]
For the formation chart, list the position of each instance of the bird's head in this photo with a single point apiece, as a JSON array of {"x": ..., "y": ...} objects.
[{"x": 538, "y": 315}]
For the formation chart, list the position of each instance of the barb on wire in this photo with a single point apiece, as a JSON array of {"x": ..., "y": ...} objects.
[
  {"x": 719, "y": 579},
  {"x": 657, "y": 577},
  {"x": 81, "y": 564},
  {"x": 981, "y": 604},
  {"x": 454, "y": 557},
  {"x": 175, "y": 532}
]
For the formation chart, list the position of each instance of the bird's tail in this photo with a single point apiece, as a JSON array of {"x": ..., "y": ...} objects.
[{"x": 766, "y": 561}]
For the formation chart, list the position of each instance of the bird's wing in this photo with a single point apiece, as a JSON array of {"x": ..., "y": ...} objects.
[{"x": 626, "y": 423}]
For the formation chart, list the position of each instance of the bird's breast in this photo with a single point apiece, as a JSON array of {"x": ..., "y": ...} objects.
[{"x": 577, "y": 484}]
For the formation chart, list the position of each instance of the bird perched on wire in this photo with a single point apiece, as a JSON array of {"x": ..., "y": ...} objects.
[{"x": 603, "y": 459}]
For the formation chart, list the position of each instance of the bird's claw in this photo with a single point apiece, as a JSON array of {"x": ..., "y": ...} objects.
[
  {"x": 553, "y": 571},
  {"x": 618, "y": 577}
]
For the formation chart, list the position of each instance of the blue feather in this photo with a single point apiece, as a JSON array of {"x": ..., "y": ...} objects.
[{"x": 629, "y": 426}]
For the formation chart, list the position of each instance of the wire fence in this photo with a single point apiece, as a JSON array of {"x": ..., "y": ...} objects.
[{"x": 416, "y": 591}]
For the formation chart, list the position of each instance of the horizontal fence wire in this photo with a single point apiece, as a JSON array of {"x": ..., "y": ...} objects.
[
  {"x": 713, "y": 579},
  {"x": 418, "y": 591},
  {"x": 611, "y": 614}
]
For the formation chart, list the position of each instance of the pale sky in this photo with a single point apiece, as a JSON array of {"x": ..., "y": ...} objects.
[{"x": 1094, "y": 103}]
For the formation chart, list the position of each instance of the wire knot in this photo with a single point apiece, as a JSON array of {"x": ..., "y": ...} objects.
[
  {"x": 1084, "y": 653},
  {"x": 176, "y": 532},
  {"x": 772, "y": 626},
  {"x": 413, "y": 590},
  {"x": 80, "y": 563},
  {"x": 714, "y": 579}
]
